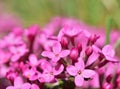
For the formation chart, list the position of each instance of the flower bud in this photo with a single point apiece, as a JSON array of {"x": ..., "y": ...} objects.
[
  {"x": 92, "y": 39},
  {"x": 74, "y": 54},
  {"x": 89, "y": 51},
  {"x": 109, "y": 78},
  {"x": 79, "y": 46},
  {"x": 64, "y": 42}
]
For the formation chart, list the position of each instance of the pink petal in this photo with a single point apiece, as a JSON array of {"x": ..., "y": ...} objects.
[
  {"x": 26, "y": 86},
  {"x": 108, "y": 50},
  {"x": 34, "y": 86},
  {"x": 15, "y": 58},
  {"x": 72, "y": 70},
  {"x": 57, "y": 48},
  {"x": 48, "y": 77},
  {"x": 64, "y": 53},
  {"x": 56, "y": 59},
  {"x": 46, "y": 66},
  {"x": 58, "y": 69},
  {"x": 48, "y": 54},
  {"x": 92, "y": 58},
  {"x": 88, "y": 73},
  {"x": 111, "y": 59},
  {"x": 18, "y": 82},
  {"x": 10, "y": 87},
  {"x": 80, "y": 64},
  {"x": 33, "y": 60},
  {"x": 79, "y": 80}
]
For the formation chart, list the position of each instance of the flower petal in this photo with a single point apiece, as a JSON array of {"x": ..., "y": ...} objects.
[
  {"x": 112, "y": 59},
  {"x": 48, "y": 77},
  {"x": 79, "y": 80},
  {"x": 58, "y": 69},
  {"x": 18, "y": 82},
  {"x": 80, "y": 64},
  {"x": 33, "y": 60},
  {"x": 88, "y": 73},
  {"x": 34, "y": 86},
  {"x": 64, "y": 53},
  {"x": 57, "y": 48},
  {"x": 48, "y": 54},
  {"x": 72, "y": 70},
  {"x": 56, "y": 59},
  {"x": 108, "y": 50},
  {"x": 26, "y": 86},
  {"x": 46, "y": 66},
  {"x": 10, "y": 87}
]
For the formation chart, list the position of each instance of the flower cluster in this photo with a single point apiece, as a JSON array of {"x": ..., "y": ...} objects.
[{"x": 63, "y": 51}]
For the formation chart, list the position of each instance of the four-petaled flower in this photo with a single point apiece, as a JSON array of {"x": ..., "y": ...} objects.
[
  {"x": 57, "y": 52},
  {"x": 50, "y": 71},
  {"x": 79, "y": 71}
]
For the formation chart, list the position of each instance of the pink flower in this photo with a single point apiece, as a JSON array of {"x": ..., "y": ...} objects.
[
  {"x": 30, "y": 73},
  {"x": 50, "y": 71},
  {"x": 57, "y": 52},
  {"x": 18, "y": 84},
  {"x": 80, "y": 72},
  {"x": 17, "y": 52}
]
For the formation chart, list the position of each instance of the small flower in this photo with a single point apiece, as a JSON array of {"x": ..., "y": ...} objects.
[
  {"x": 80, "y": 72},
  {"x": 30, "y": 73},
  {"x": 17, "y": 52},
  {"x": 57, "y": 52},
  {"x": 49, "y": 71}
]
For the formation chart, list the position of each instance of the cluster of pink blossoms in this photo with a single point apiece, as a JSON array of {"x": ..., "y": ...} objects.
[{"x": 63, "y": 51}]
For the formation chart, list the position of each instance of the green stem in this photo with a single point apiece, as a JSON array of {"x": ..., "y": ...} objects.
[{"x": 108, "y": 29}]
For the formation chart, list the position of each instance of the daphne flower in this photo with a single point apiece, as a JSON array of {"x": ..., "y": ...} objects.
[
  {"x": 30, "y": 73},
  {"x": 49, "y": 71},
  {"x": 80, "y": 72},
  {"x": 17, "y": 52},
  {"x": 57, "y": 52}
]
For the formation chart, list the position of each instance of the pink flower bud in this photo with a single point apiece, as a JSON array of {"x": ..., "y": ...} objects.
[
  {"x": 89, "y": 51},
  {"x": 64, "y": 42},
  {"x": 109, "y": 78},
  {"x": 74, "y": 54},
  {"x": 79, "y": 46},
  {"x": 92, "y": 39}
]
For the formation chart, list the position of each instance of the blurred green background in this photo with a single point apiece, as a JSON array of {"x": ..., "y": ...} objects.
[{"x": 93, "y": 12}]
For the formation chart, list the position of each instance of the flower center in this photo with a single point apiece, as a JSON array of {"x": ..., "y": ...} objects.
[
  {"x": 79, "y": 72},
  {"x": 56, "y": 55}
]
